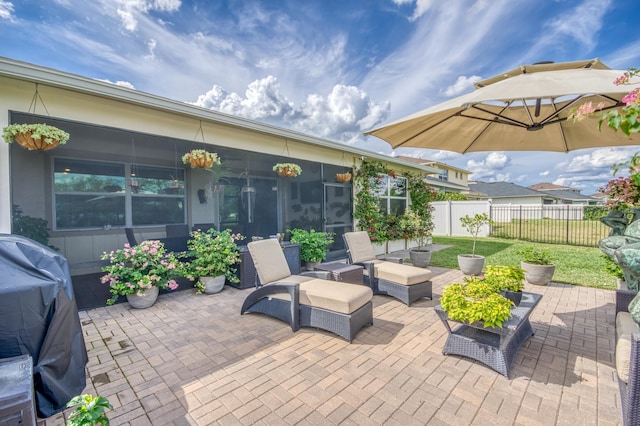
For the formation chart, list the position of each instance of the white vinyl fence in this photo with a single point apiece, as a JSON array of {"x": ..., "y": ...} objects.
[{"x": 447, "y": 214}]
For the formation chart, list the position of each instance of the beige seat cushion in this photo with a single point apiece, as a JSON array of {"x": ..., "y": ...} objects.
[
  {"x": 401, "y": 274},
  {"x": 330, "y": 295},
  {"x": 269, "y": 260},
  {"x": 359, "y": 246},
  {"x": 625, "y": 327}
]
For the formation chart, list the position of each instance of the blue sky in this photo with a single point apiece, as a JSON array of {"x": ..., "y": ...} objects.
[{"x": 331, "y": 68}]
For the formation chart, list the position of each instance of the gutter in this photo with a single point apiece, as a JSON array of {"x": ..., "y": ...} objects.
[{"x": 48, "y": 76}]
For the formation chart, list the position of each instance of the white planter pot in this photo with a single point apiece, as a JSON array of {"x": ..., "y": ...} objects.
[
  {"x": 471, "y": 265},
  {"x": 213, "y": 285},
  {"x": 143, "y": 300},
  {"x": 538, "y": 274}
]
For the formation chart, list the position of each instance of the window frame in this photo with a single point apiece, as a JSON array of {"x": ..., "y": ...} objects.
[{"x": 128, "y": 194}]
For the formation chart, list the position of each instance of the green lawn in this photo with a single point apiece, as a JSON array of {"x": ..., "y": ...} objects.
[{"x": 574, "y": 265}]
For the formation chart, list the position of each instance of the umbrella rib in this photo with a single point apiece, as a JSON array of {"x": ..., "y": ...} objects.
[{"x": 498, "y": 117}]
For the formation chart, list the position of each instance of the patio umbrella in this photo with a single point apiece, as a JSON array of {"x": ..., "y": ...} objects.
[{"x": 524, "y": 109}]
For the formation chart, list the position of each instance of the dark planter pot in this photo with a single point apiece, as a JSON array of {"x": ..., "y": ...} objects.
[
  {"x": 514, "y": 296},
  {"x": 420, "y": 257}
]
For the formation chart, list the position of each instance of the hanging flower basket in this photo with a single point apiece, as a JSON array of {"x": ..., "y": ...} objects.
[
  {"x": 201, "y": 159},
  {"x": 343, "y": 177},
  {"x": 35, "y": 137},
  {"x": 287, "y": 169}
]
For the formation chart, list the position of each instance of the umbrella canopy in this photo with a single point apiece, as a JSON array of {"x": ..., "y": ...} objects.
[{"x": 524, "y": 109}]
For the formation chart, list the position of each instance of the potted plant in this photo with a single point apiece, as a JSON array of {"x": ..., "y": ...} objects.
[
  {"x": 507, "y": 281},
  {"x": 537, "y": 265},
  {"x": 39, "y": 137},
  {"x": 213, "y": 256},
  {"x": 472, "y": 264},
  {"x": 200, "y": 158},
  {"x": 287, "y": 169},
  {"x": 138, "y": 272},
  {"x": 90, "y": 410},
  {"x": 475, "y": 300},
  {"x": 418, "y": 227},
  {"x": 313, "y": 245}
]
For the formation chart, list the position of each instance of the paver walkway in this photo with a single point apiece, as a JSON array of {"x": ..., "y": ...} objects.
[{"x": 192, "y": 359}]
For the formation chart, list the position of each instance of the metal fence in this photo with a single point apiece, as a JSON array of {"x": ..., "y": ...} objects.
[{"x": 555, "y": 224}]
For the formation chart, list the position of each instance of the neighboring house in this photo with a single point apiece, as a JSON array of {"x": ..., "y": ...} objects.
[
  {"x": 447, "y": 179},
  {"x": 122, "y": 167},
  {"x": 565, "y": 194},
  {"x": 507, "y": 193}
]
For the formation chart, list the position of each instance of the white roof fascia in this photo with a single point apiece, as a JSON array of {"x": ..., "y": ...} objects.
[{"x": 48, "y": 76}]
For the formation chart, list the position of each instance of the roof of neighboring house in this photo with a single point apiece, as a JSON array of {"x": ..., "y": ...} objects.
[
  {"x": 432, "y": 163},
  {"x": 545, "y": 186},
  {"x": 37, "y": 74},
  {"x": 568, "y": 195},
  {"x": 598, "y": 195},
  {"x": 505, "y": 190}
]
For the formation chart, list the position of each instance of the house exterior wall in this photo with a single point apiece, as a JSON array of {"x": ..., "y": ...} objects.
[{"x": 517, "y": 200}]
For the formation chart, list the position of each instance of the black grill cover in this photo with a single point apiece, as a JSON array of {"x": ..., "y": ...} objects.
[{"x": 39, "y": 317}]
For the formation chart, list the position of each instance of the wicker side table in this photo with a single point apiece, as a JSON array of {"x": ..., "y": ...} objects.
[{"x": 343, "y": 272}]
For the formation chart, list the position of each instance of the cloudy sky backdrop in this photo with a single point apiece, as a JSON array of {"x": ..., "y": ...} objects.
[{"x": 332, "y": 68}]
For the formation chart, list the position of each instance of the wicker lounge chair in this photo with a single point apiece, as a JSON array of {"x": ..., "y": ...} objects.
[
  {"x": 306, "y": 300},
  {"x": 627, "y": 359},
  {"x": 404, "y": 282}
]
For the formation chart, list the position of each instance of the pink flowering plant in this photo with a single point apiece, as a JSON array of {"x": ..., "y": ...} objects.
[
  {"x": 624, "y": 119},
  {"x": 133, "y": 270},
  {"x": 622, "y": 193}
]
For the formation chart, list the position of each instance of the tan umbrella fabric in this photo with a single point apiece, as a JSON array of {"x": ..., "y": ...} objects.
[{"x": 524, "y": 109}]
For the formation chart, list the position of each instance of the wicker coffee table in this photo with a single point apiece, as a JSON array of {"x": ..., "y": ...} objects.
[
  {"x": 343, "y": 272},
  {"x": 495, "y": 347}
]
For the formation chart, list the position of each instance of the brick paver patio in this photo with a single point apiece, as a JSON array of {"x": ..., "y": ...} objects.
[{"x": 192, "y": 359}]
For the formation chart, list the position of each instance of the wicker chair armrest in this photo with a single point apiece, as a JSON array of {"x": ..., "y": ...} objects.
[
  {"x": 293, "y": 289},
  {"x": 623, "y": 297},
  {"x": 323, "y": 275}
]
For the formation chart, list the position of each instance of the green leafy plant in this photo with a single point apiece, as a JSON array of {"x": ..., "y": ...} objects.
[
  {"x": 90, "y": 411},
  {"x": 612, "y": 267},
  {"x": 212, "y": 254},
  {"x": 31, "y": 227},
  {"x": 505, "y": 278},
  {"x": 473, "y": 224},
  {"x": 476, "y": 300},
  {"x": 313, "y": 245},
  {"x": 416, "y": 226},
  {"x": 535, "y": 256},
  {"x": 367, "y": 181},
  {"x": 48, "y": 133},
  {"x": 133, "y": 270},
  {"x": 287, "y": 169}
]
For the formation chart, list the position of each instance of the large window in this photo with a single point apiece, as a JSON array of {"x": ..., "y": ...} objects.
[
  {"x": 91, "y": 194},
  {"x": 393, "y": 195}
]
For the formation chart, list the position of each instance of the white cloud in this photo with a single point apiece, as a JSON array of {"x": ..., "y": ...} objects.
[
  {"x": 545, "y": 173},
  {"x": 342, "y": 115},
  {"x": 581, "y": 25},
  {"x": 463, "y": 84},
  {"x": 6, "y": 10},
  {"x": 118, "y": 83},
  {"x": 128, "y": 10},
  {"x": 490, "y": 167},
  {"x": 584, "y": 182},
  {"x": 597, "y": 161}
]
